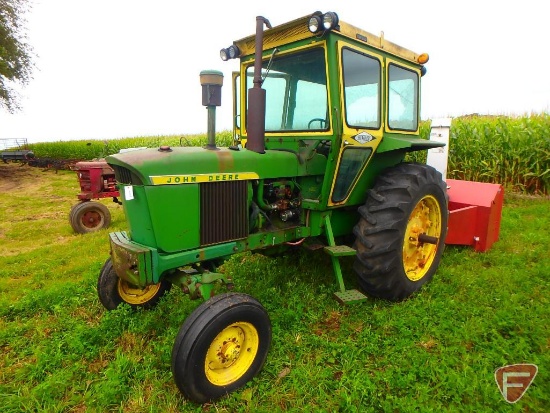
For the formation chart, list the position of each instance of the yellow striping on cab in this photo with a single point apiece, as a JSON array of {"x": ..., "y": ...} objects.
[{"x": 201, "y": 178}]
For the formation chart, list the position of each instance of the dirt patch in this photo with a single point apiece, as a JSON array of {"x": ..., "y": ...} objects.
[
  {"x": 12, "y": 175},
  {"x": 16, "y": 175},
  {"x": 23, "y": 179}
]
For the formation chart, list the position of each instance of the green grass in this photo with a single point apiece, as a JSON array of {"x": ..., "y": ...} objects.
[{"x": 62, "y": 352}]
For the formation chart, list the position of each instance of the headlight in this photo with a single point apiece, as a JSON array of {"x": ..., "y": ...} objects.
[
  {"x": 325, "y": 22},
  {"x": 330, "y": 20},
  {"x": 231, "y": 52},
  {"x": 224, "y": 55},
  {"x": 314, "y": 24}
]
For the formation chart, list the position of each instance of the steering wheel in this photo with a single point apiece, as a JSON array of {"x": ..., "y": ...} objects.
[{"x": 322, "y": 122}]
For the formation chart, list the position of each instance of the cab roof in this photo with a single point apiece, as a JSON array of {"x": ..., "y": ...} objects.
[{"x": 298, "y": 30}]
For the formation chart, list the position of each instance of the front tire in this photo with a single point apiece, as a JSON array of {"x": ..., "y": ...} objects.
[
  {"x": 113, "y": 291},
  {"x": 401, "y": 233},
  {"x": 220, "y": 347},
  {"x": 89, "y": 216}
]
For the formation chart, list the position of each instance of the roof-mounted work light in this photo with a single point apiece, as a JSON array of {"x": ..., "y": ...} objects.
[
  {"x": 231, "y": 52},
  {"x": 330, "y": 20},
  {"x": 322, "y": 22},
  {"x": 314, "y": 23}
]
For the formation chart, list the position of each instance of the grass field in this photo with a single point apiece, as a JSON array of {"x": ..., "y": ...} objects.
[{"x": 62, "y": 352}]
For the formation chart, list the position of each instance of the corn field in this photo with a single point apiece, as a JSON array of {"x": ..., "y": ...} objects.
[
  {"x": 512, "y": 151},
  {"x": 95, "y": 149}
]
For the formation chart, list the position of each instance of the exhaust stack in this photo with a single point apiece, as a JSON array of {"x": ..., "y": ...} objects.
[
  {"x": 211, "y": 82},
  {"x": 257, "y": 95}
]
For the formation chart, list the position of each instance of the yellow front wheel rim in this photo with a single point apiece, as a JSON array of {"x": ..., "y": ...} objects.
[
  {"x": 424, "y": 223},
  {"x": 135, "y": 295},
  {"x": 231, "y": 353}
]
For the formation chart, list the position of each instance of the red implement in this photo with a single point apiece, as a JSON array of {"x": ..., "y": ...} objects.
[{"x": 475, "y": 210}]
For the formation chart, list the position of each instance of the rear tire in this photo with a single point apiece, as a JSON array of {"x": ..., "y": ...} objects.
[
  {"x": 401, "y": 233},
  {"x": 89, "y": 216},
  {"x": 113, "y": 291},
  {"x": 220, "y": 347}
]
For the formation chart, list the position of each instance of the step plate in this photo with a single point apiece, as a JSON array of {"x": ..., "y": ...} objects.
[
  {"x": 350, "y": 296},
  {"x": 340, "y": 251}
]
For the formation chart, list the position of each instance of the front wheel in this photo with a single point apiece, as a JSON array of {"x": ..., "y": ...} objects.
[
  {"x": 89, "y": 216},
  {"x": 113, "y": 290},
  {"x": 221, "y": 346},
  {"x": 401, "y": 233}
]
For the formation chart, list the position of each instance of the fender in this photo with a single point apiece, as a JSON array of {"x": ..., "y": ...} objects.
[{"x": 406, "y": 143}]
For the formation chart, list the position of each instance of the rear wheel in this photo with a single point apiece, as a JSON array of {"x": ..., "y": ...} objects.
[
  {"x": 89, "y": 216},
  {"x": 113, "y": 290},
  {"x": 221, "y": 346},
  {"x": 401, "y": 233}
]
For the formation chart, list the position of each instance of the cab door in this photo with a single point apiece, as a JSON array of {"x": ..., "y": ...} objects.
[
  {"x": 361, "y": 81},
  {"x": 236, "y": 89}
]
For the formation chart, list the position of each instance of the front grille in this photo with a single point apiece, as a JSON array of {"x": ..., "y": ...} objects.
[
  {"x": 224, "y": 215},
  {"x": 125, "y": 176},
  {"x": 85, "y": 182}
]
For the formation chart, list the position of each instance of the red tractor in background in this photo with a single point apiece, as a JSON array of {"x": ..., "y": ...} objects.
[{"x": 97, "y": 180}]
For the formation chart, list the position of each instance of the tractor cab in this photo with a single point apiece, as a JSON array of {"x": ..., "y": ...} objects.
[{"x": 333, "y": 91}]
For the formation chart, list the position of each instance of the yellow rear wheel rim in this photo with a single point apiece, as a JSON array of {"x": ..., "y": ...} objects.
[
  {"x": 135, "y": 295},
  {"x": 231, "y": 353},
  {"x": 418, "y": 256}
]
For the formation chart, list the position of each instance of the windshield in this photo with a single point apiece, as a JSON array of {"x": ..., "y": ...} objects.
[{"x": 296, "y": 90}]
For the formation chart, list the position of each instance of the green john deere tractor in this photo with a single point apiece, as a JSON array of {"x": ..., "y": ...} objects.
[{"x": 324, "y": 117}]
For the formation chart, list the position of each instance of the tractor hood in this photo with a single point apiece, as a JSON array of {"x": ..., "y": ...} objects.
[{"x": 167, "y": 165}]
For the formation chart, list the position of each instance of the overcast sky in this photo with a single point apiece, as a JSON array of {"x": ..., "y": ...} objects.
[{"x": 108, "y": 69}]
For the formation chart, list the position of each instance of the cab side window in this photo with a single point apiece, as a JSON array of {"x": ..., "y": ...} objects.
[
  {"x": 402, "y": 98},
  {"x": 361, "y": 89}
]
